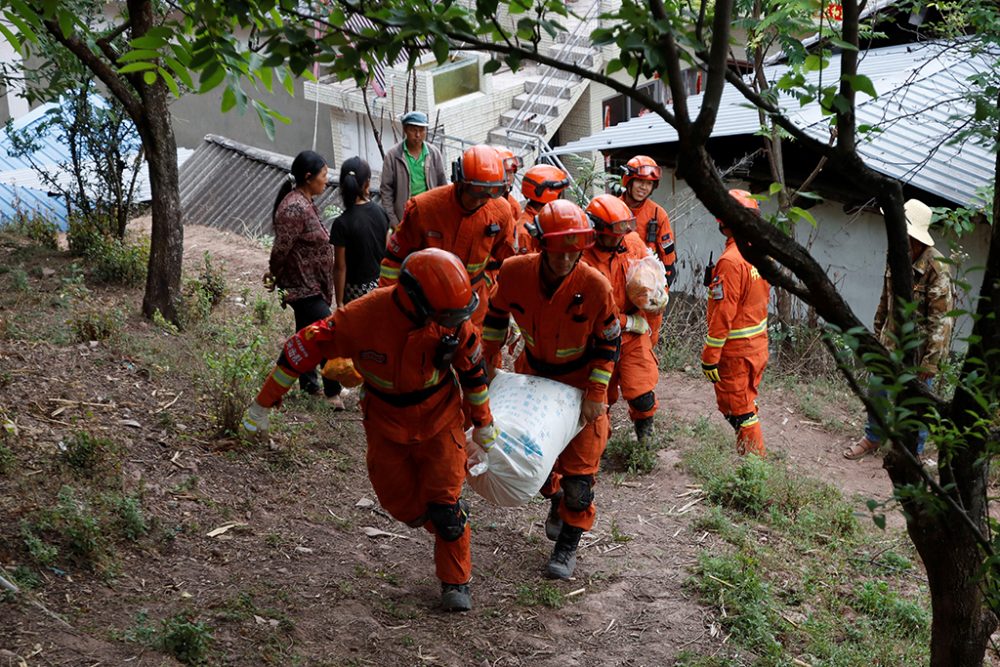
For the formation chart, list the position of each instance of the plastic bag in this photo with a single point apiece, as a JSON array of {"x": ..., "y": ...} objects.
[
  {"x": 342, "y": 370},
  {"x": 537, "y": 418},
  {"x": 646, "y": 284}
]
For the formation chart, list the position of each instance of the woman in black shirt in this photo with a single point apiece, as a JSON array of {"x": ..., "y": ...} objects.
[{"x": 358, "y": 235}]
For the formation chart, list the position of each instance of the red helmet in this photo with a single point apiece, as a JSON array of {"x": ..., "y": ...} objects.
[
  {"x": 480, "y": 171},
  {"x": 543, "y": 183},
  {"x": 436, "y": 286},
  {"x": 561, "y": 226},
  {"x": 511, "y": 163},
  {"x": 643, "y": 168},
  {"x": 745, "y": 199},
  {"x": 610, "y": 216}
]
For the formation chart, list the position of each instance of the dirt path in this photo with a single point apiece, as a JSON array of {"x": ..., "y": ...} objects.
[{"x": 301, "y": 578}]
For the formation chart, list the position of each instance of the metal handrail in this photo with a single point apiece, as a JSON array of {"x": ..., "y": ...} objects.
[{"x": 549, "y": 71}]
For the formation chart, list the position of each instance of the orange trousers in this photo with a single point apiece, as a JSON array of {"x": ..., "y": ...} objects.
[
  {"x": 582, "y": 457},
  {"x": 637, "y": 372},
  {"x": 736, "y": 395},
  {"x": 406, "y": 477}
]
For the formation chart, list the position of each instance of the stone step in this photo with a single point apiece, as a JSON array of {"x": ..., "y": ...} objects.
[
  {"x": 498, "y": 137},
  {"x": 581, "y": 56},
  {"x": 529, "y": 123},
  {"x": 540, "y": 104},
  {"x": 554, "y": 87}
]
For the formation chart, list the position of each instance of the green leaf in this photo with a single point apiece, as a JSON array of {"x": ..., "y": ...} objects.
[
  {"x": 22, "y": 25},
  {"x": 614, "y": 65},
  {"x": 266, "y": 119},
  {"x": 228, "y": 99},
  {"x": 67, "y": 23},
  {"x": 266, "y": 76},
  {"x": 492, "y": 65},
  {"x": 775, "y": 188},
  {"x": 846, "y": 46},
  {"x": 149, "y": 77},
  {"x": 140, "y": 54},
  {"x": 862, "y": 84},
  {"x": 136, "y": 67},
  {"x": 169, "y": 80},
  {"x": 10, "y": 36},
  {"x": 441, "y": 50},
  {"x": 797, "y": 214},
  {"x": 814, "y": 63},
  {"x": 211, "y": 77},
  {"x": 180, "y": 71},
  {"x": 879, "y": 520},
  {"x": 148, "y": 41}
]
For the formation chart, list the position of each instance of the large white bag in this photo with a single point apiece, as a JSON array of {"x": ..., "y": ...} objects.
[{"x": 537, "y": 418}]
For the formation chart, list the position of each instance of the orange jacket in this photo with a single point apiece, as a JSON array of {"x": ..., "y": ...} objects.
[
  {"x": 653, "y": 227},
  {"x": 613, "y": 265},
  {"x": 406, "y": 398},
  {"x": 571, "y": 336},
  {"x": 737, "y": 308},
  {"x": 525, "y": 242},
  {"x": 515, "y": 207}
]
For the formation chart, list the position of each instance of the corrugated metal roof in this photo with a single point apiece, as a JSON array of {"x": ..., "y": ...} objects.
[
  {"x": 232, "y": 186},
  {"x": 921, "y": 88}
]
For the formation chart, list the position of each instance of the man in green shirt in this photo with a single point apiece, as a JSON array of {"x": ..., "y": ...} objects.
[{"x": 411, "y": 167}]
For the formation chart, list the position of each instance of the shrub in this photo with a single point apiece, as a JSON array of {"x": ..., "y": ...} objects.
[
  {"x": 744, "y": 489},
  {"x": 625, "y": 453},
  {"x": 889, "y": 612},
  {"x": 127, "y": 515},
  {"x": 119, "y": 262},
  {"x": 94, "y": 324},
  {"x": 732, "y": 584},
  {"x": 84, "y": 452},
  {"x": 235, "y": 372},
  {"x": 39, "y": 550},
  {"x": 34, "y": 226},
  {"x": 185, "y": 640}
]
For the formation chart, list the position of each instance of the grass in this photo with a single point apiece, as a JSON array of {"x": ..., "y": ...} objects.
[
  {"x": 797, "y": 578},
  {"x": 540, "y": 593}
]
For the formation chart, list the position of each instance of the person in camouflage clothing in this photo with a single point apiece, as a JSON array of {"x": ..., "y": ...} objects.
[{"x": 932, "y": 292}]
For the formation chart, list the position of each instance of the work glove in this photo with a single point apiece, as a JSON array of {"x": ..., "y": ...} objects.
[
  {"x": 486, "y": 436},
  {"x": 256, "y": 419},
  {"x": 636, "y": 324},
  {"x": 711, "y": 371},
  {"x": 269, "y": 283}
]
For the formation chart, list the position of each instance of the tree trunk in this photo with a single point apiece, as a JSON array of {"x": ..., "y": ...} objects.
[{"x": 163, "y": 281}]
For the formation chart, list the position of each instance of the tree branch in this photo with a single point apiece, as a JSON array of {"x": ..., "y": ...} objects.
[{"x": 718, "y": 69}]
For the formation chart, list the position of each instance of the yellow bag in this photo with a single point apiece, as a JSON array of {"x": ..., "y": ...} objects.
[{"x": 341, "y": 370}]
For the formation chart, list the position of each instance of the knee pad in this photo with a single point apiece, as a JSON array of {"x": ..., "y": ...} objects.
[
  {"x": 738, "y": 421},
  {"x": 578, "y": 493},
  {"x": 448, "y": 520},
  {"x": 643, "y": 402}
]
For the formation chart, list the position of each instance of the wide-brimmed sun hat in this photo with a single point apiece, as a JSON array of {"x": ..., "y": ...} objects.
[{"x": 918, "y": 221}]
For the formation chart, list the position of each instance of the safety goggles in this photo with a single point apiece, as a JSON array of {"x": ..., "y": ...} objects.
[
  {"x": 618, "y": 228},
  {"x": 644, "y": 171},
  {"x": 540, "y": 188},
  {"x": 567, "y": 241},
  {"x": 452, "y": 318},
  {"x": 481, "y": 190}
]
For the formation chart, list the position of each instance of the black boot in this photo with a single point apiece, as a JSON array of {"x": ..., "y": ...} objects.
[
  {"x": 455, "y": 597},
  {"x": 554, "y": 522},
  {"x": 562, "y": 562},
  {"x": 644, "y": 430}
]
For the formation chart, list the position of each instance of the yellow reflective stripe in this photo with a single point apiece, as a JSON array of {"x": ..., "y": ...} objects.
[
  {"x": 492, "y": 335},
  {"x": 527, "y": 338},
  {"x": 714, "y": 342},
  {"x": 282, "y": 378},
  {"x": 749, "y": 332},
  {"x": 601, "y": 376},
  {"x": 435, "y": 378},
  {"x": 388, "y": 272},
  {"x": 569, "y": 351},
  {"x": 478, "y": 397},
  {"x": 374, "y": 379},
  {"x": 473, "y": 269}
]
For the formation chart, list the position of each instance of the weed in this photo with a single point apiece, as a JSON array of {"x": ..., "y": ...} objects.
[
  {"x": 744, "y": 489},
  {"x": 163, "y": 323},
  {"x": 234, "y": 373},
  {"x": 617, "y": 535},
  {"x": 25, "y": 577},
  {"x": 119, "y": 262},
  {"x": 889, "y": 612},
  {"x": 186, "y": 640},
  {"x": 19, "y": 280},
  {"x": 34, "y": 226},
  {"x": 40, "y": 551},
  {"x": 142, "y": 631},
  {"x": 263, "y": 311},
  {"x": 84, "y": 452},
  {"x": 638, "y": 458},
  {"x": 128, "y": 515},
  {"x": 691, "y": 659},
  {"x": 80, "y": 529},
  {"x": 95, "y": 324},
  {"x": 541, "y": 593}
]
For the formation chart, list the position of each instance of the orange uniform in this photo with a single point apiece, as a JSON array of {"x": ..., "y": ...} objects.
[
  {"x": 412, "y": 411},
  {"x": 571, "y": 336},
  {"x": 525, "y": 242},
  {"x": 435, "y": 219},
  {"x": 737, "y": 343},
  {"x": 637, "y": 371},
  {"x": 653, "y": 227}
]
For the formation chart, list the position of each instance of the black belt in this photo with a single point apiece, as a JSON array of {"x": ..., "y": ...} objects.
[
  {"x": 546, "y": 368},
  {"x": 479, "y": 276},
  {"x": 409, "y": 398}
]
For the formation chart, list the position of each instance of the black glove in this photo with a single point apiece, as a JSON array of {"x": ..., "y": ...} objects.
[{"x": 711, "y": 371}]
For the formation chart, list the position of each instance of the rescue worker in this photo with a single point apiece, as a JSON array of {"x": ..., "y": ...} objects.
[
  {"x": 511, "y": 164},
  {"x": 637, "y": 371},
  {"x": 932, "y": 294},
  {"x": 411, "y": 401},
  {"x": 642, "y": 176},
  {"x": 567, "y": 315},
  {"x": 540, "y": 185},
  {"x": 735, "y": 352},
  {"x": 468, "y": 217}
]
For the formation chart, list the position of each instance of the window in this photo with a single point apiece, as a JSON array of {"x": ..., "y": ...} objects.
[{"x": 455, "y": 79}]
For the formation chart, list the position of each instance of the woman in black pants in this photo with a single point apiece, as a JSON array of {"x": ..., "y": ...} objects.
[
  {"x": 358, "y": 235},
  {"x": 301, "y": 257}
]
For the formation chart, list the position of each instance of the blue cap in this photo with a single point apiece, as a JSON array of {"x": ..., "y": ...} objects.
[{"x": 415, "y": 118}]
